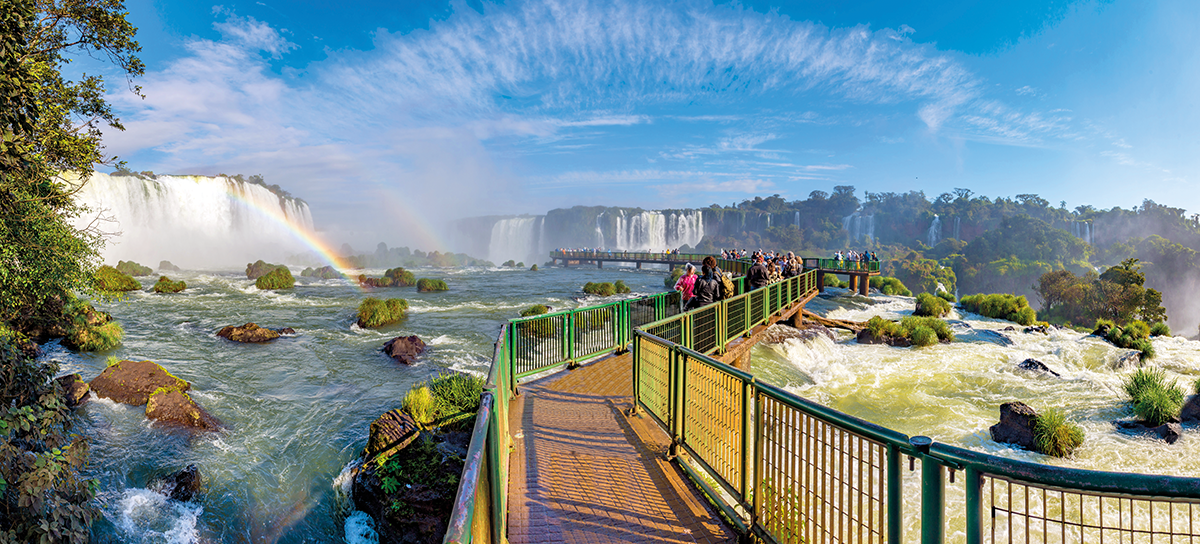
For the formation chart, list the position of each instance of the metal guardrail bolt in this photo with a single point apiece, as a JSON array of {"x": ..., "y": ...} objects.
[
  {"x": 912, "y": 463},
  {"x": 952, "y": 475}
]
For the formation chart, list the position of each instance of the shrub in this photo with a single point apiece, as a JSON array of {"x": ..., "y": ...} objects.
[
  {"x": 418, "y": 403},
  {"x": 880, "y": 327},
  {"x": 536, "y": 309},
  {"x": 373, "y": 312},
  {"x": 888, "y": 286},
  {"x": 1138, "y": 329},
  {"x": 509, "y": 263},
  {"x": 1155, "y": 401},
  {"x": 620, "y": 287},
  {"x": 96, "y": 338},
  {"x": 1000, "y": 306},
  {"x": 425, "y": 285},
  {"x": 456, "y": 394},
  {"x": 401, "y": 277},
  {"x": 669, "y": 282},
  {"x": 133, "y": 269},
  {"x": 1160, "y": 329},
  {"x": 600, "y": 289},
  {"x": 1055, "y": 435},
  {"x": 324, "y": 273},
  {"x": 308, "y": 271},
  {"x": 946, "y": 296},
  {"x": 930, "y": 305},
  {"x": 923, "y": 336},
  {"x": 279, "y": 278},
  {"x": 831, "y": 280},
  {"x": 533, "y": 268},
  {"x": 165, "y": 285},
  {"x": 1135, "y": 335},
  {"x": 939, "y": 327},
  {"x": 111, "y": 280}
]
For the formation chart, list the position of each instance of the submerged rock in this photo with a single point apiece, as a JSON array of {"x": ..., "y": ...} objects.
[
  {"x": 176, "y": 407},
  {"x": 1038, "y": 328},
  {"x": 865, "y": 337},
  {"x": 252, "y": 333},
  {"x": 132, "y": 382},
  {"x": 405, "y": 349},
  {"x": 74, "y": 388},
  {"x": 1016, "y": 425},
  {"x": 1035, "y": 365},
  {"x": 1191, "y": 409},
  {"x": 181, "y": 486},
  {"x": 1169, "y": 432}
]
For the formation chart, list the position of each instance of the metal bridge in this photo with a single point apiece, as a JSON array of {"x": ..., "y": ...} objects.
[{"x": 667, "y": 443}]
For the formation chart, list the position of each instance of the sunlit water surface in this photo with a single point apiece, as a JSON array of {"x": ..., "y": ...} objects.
[{"x": 298, "y": 408}]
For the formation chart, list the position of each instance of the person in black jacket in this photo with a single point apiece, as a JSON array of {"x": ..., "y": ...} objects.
[
  {"x": 708, "y": 289},
  {"x": 757, "y": 276}
]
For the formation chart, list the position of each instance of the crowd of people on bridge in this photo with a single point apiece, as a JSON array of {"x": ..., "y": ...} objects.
[
  {"x": 602, "y": 252},
  {"x": 855, "y": 256}
]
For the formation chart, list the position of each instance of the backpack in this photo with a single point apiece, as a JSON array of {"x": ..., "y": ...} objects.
[{"x": 730, "y": 289}]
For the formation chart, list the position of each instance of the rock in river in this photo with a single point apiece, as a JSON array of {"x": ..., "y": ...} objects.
[
  {"x": 1016, "y": 425},
  {"x": 74, "y": 388},
  {"x": 252, "y": 333},
  {"x": 404, "y": 349},
  {"x": 132, "y": 382},
  {"x": 1037, "y": 366},
  {"x": 182, "y": 486},
  {"x": 177, "y": 408}
]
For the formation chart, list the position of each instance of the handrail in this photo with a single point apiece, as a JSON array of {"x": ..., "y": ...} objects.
[{"x": 791, "y": 465}]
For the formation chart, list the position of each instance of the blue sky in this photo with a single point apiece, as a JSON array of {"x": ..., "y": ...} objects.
[{"x": 392, "y": 117}]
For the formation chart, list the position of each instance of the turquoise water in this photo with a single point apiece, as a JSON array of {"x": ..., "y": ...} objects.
[{"x": 298, "y": 408}]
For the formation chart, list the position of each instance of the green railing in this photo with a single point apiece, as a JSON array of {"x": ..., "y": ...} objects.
[{"x": 849, "y": 266}]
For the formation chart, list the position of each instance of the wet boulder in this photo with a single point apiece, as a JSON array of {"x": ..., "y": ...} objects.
[
  {"x": 1191, "y": 409},
  {"x": 1016, "y": 424},
  {"x": 1043, "y": 329},
  {"x": 132, "y": 382},
  {"x": 390, "y": 433},
  {"x": 405, "y": 349},
  {"x": 177, "y": 408},
  {"x": 252, "y": 333},
  {"x": 866, "y": 337},
  {"x": 181, "y": 486},
  {"x": 74, "y": 389},
  {"x": 1034, "y": 365},
  {"x": 1169, "y": 432}
]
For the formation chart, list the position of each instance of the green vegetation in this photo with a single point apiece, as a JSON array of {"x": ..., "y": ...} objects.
[
  {"x": 533, "y": 268},
  {"x": 620, "y": 287},
  {"x": 1000, "y": 306},
  {"x": 279, "y": 278},
  {"x": 1135, "y": 335},
  {"x": 1196, "y": 387},
  {"x": 165, "y": 285},
  {"x": 426, "y": 285},
  {"x": 373, "y": 312},
  {"x": 418, "y": 403},
  {"x": 261, "y": 268},
  {"x": 1119, "y": 294},
  {"x": 89, "y": 330},
  {"x": 323, "y": 273},
  {"x": 947, "y": 296},
  {"x": 536, "y": 309},
  {"x": 1055, "y": 435},
  {"x": 887, "y": 285},
  {"x": 670, "y": 281},
  {"x": 1155, "y": 401},
  {"x": 109, "y": 279},
  {"x": 831, "y": 280},
  {"x": 1160, "y": 329},
  {"x": 52, "y": 127},
  {"x": 921, "y": 331},
  {"x": 133, "y": 269},
  {"x": 423, "y": 466},
  {"x": 393, "y": 277},
  {"x": 447, "y": 399},
  {"x": 600, "y": 289},
  {"x": 929, "y": 305}
]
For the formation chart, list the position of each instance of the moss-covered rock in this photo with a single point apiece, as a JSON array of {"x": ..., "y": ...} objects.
[
  {"x": 175, "y": 407},
  {"x": 536, "y": 309},
  {"x": 620, "y": 287},
  {"x": 395, "y": 277},
  {"x": 165, "y": 285},
  {"x": 111, "y": 280},
  {"x": 279, "y": 278},
  {"x": 260, "y": 268},
  {"x": 252, "y": 333},
  {"x": 931, "y": 306},
  {"x": 426, "y": 285},
  {"x": 533, "y": 268},
  {"x": 323, "y": 273},
  {"x": 600, "y": 289},
  {"x": 133, "y": 269},
  {"x": 373, "y": 312},
  {"x": 132, "y": 382},
  {"x": 87, "y": 329}
]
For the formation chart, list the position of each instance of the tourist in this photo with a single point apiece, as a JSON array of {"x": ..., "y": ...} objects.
[
  {"x": 686, "y": 284},
  {"x": 708, "y": 288},
  {"x": 757, "y": 276}
]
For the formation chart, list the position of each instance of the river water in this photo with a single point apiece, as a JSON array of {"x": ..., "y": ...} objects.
[{"x": 298, "y": 408}]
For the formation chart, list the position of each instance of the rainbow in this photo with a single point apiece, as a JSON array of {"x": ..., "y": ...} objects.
[{"x": 298, "y": 232}]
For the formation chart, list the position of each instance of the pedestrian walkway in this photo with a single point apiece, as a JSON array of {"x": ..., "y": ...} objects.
[{"x": 583, "y": 471}]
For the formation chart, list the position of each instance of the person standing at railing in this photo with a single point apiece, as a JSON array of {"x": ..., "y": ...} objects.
[
  {"x": 708, "y": 288},
  {"x": 686, "y": 284},
  {"x": 757, "y": 276}
]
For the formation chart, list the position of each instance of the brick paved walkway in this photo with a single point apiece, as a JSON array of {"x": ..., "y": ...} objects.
[{"x": 585, "y": 472}]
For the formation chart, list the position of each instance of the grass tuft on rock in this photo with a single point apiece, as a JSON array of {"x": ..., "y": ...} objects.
[
  {"x": 1055, "y": 435},
  {"x": 425, "y": 285},
  {"x": 620, "y": 287},
  {"x": 280, "y": 278},
  {"x": 165, "y": 285},
  {"x": 373, "y": 312},
  {"x": 1000, "y": 306},
  {"x": 923, "y": 336},
  {"x": 931, "y": 306},
  {"x": 1155, "y": 401},
  {"x": 600, "y": 289},
  {"x": 418, "y": 403},
  {"x": 1134, "y": 335},
  {"x": 1160, "y": 329},
  {"x": 536, "y": 309},
  {"x": 111, "y": 280}
]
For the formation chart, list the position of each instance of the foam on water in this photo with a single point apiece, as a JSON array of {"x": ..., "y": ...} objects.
[
  {"x": 147, "y": 516},
  {"x": 360, "y": 529}
]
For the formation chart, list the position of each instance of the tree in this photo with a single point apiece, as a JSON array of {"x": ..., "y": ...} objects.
[{"x": 50, "y": 129}]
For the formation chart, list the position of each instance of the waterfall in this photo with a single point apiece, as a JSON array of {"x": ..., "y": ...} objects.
[
  {"x": 516, "y": 239},
  {"x": 796, "y": 219},
  {"x": 957, "y": 228},
  {"x": 935, "y": 231},
  {"x": 656, "y": 231},
  {"x": 1082, "y": 230},
  {"x": 599, "y": 232},
  {"x": 859, "y": 226},
  {"x": 194, "y": 221}
]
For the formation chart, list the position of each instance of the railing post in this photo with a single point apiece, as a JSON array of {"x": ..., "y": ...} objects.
[
  {"x": 569, "y": 337},
  {"x": 933, "y": 494},
  {"x": 748, "y": 442},
  {"x": 636, "y": 348},
  {"x": 677, "y": 400},
  {"x": 895, "y": 495},
  {"x": 974, "y": 484}
]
